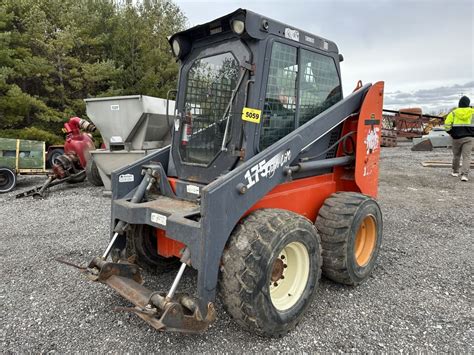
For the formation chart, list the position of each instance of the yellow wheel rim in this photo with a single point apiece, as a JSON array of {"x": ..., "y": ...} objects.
[
  {"x": 365, "y": 241},
  {"x": 289, "y": 276}
]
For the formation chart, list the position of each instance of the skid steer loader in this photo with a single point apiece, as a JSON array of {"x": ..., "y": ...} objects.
[{"x": 268, "y": 182}]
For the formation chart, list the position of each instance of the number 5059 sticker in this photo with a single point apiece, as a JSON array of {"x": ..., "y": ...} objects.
[{"x": 251, "y": 115}]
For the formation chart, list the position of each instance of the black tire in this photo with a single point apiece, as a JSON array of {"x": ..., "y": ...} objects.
[
  {"x": 77, "y": 179},
  {"x": 141, "y": 248},
  {"x": 252, "y": 262},
  {"x": 92, "y": 173},
  {"x": 350, "y": 226},
  {"x": 52, "y": 155},
  {"x": 7, "y": 180}
]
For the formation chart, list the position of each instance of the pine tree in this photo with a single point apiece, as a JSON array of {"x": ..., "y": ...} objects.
[{"x": 55, "y": 53}]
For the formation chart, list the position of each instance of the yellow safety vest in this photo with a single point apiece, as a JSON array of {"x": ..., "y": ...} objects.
[{"x": 459, "y": 122}]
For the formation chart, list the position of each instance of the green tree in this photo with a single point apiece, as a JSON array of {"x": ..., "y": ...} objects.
[
  {"x": 141, "y": 45},
  {"x": 55, "y": 53}
]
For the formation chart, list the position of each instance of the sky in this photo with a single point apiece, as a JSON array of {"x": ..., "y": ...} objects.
[{"x": 422, "y": 49}]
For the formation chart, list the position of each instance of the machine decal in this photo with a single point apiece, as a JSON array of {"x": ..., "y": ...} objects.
[
  {"x": 372, "y": 143},
  {"x": 266, "y": 169},
  {"x": 116, "y": 139},
  {"x": 371, "y": 122},
  {"x": 251, "y": 115},
  {"x": 372, "y": 140},
  {"x": 126, "y": 178},
  {"x": 292, "y": 34},
  {"x": 114, "y": 107},
  {"x": 158, "y": 218},
  {"x": 192, "y": 189},
  {"x": 309, "y": 39}
]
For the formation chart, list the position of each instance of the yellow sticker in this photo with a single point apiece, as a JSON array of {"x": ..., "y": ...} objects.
[{"x": 251, "y": 115}]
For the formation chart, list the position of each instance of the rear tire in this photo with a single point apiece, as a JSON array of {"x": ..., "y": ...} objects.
[
  {"x": 92, "y": 173},
  {"x": 350, "y": 225},
  {"x": 142, "y": 249},
  {"x": 270, "y": 271},
  {"x": 7, "y": 180}
]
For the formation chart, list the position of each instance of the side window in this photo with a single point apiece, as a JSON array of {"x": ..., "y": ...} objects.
[
  {"x": 280, "y": 99},
  {"x": 319, "y": 85}
]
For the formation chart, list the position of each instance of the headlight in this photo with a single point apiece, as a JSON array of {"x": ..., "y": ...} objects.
[
  {"x": 176, "y": 47},
  {"x": 238, "y": 26},
  {"x": 180, "y": 46}
]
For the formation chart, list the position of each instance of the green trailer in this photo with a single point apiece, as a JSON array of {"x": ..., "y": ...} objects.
[{"x": 19, "y": 156}]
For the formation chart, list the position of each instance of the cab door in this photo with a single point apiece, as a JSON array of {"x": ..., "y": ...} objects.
[{"x": 208, "y": 126}]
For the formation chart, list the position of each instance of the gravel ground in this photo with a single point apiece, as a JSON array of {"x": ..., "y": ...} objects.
[{"x": 419, "y": 297}]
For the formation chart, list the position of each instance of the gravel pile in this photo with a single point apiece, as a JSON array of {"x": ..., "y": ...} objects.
[{"x": 418, "y": 298}]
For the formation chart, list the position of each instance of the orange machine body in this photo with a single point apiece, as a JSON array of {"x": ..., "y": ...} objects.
[{"x": 306, "y": 196}]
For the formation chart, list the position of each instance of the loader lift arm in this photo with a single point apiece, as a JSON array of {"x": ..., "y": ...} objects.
[{"x": 216, "y": 216}]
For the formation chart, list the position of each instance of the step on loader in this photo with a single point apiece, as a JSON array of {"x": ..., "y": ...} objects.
[{"x": 269, "y": 181}]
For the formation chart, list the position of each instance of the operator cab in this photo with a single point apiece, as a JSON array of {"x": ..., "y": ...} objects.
[{"x": 245, "y": 82}]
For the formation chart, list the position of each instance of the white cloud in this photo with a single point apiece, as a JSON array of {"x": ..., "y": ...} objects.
[
  {"x": 439, "y": 99},
  {"x": 411, "y": 45}
]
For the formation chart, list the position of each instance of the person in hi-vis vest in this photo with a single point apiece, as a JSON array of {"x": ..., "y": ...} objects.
[{"x": 459, "y": 124}]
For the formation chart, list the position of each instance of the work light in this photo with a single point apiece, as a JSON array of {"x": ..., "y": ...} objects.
[
  {"x": 180, "y": 46},
  {"x": 238, "y": 26},
  {"x": 176, "y": 47}
]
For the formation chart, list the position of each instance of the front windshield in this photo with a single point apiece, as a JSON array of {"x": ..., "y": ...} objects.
[{"x": 210, "y": 83}]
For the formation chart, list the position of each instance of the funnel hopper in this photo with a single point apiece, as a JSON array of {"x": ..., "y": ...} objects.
[{"x": 131, "y": 122}]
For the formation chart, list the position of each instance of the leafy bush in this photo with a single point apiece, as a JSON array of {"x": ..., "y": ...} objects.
[{"x": 32, "y": 133}]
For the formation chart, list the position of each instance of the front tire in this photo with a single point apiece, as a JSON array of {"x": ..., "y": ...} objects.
[
  {"x": 270, "y": 271},
  {"x": 142, "y": 249},
  {"x": 350, "y": 225}
]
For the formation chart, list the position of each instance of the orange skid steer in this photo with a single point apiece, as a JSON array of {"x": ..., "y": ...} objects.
[{"x": 270, "y": 180}]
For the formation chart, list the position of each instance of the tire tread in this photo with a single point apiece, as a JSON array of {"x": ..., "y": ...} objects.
[
  {"x": 334, "y": 222},
  {"x": 242, "y": 267}
]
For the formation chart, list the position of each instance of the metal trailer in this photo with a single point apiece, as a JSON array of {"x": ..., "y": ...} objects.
[
  {"x": 20, "y": 157},
  {"x": 131, "y": 127},
  {"x": 270, "y": 180},
  {"x": 407, "y": 122}
]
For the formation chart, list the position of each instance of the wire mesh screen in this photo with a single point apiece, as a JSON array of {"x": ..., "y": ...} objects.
[
  {"x": 280, "y": 100},
  {"x": 210, "y": 83},
  {"x": 319, "y": 85}
]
